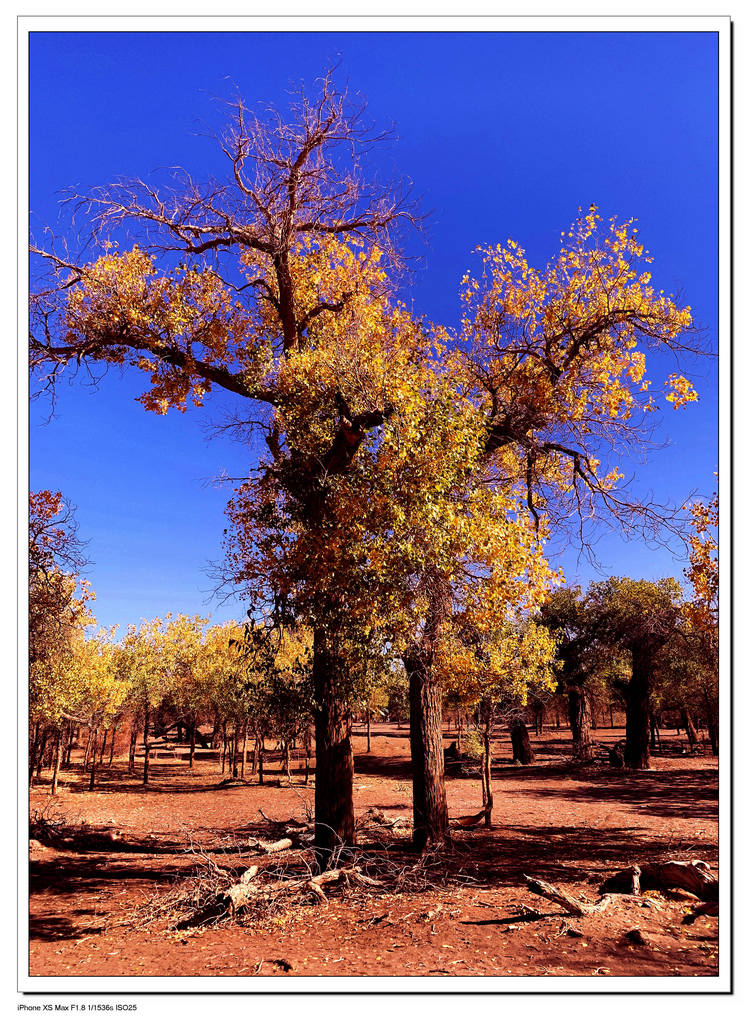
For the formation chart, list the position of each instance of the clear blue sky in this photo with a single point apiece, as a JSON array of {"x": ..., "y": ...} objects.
[{"x": 503, "y": 135}]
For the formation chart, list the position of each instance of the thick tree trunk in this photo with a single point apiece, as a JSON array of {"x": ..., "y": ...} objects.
[
  {"x": 430, "y": 813},
  {"x": 261, "y": 765},
  {"x": 712, "y": 725},
  {"x": 636, "y": 753},
  {"x": 103, "y": 746},
  {"x": 579, "y": 720},
  {"x": 334, "y": 821},
  {"x": 521, "y": 746}
]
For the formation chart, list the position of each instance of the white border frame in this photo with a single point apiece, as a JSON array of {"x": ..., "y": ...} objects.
[{"x": 29, "y": 985}]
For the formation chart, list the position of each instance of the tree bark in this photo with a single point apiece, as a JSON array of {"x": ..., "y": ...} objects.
[
  {"x": 712, "y": 725},
  {"x": 368, "y": 731},
  {"x": 689, "y": 727},
  {"x": 92, "y": 776},
  {"x": 521, "y": 747},
  {"x": 133, "y": 744},
  {"x": 57, "y": 762},
  {"x": 579, "y": 720},
  {"x": 244, "y": 745},
  {"x": 636, "y": 753},
  {"x": 146, "y": 749},
  {"x": 111, "y": 745},
  {"x": 430, "y": 813},
  {"x": 334, "y": 822},
  {"x": 487, "y": 716},
  {"x": 307, "y": 754}
]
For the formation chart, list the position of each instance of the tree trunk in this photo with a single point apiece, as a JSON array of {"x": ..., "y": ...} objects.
[
  {"x": 146, "y": 749},
  {"x": 244, "y": 745},
  {"x": 87, "y": 751},
  {"x": 430, "y": 813},
  {"x": 57, "y": 762},
  {"x": 133, "y": 744},
  {"x": 69, "y": 740},
  {"x": 92, "y": 776},
  {"x": 103, "y": 746},
  {"x": 193, "y": 726},
  {"x": 368, "y": 731},
  {"x": 538, "y": 710},
  {"x": 689, "y": 727},
  {"x": 636, "y": 753},
  {"x": 262, "y": 760},
  {"x": 41, "y": 752},
  {"x": 334, "y": 822},
  {"x": 111, "y": 745},
  {"x": 307, "y": 753},
  {"x": 33, "y": 751},
  {"x": 579, "y": 720},
  {"x": 712, "y": 725},
  {"x": 521, "y": 746},
  {"x": 488, "y": 792}
]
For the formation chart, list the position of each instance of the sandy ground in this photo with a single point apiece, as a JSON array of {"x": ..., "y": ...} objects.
[{"x": 571, "y": 827}]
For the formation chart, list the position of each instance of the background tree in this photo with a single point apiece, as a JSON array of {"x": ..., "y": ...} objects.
[
  {"x": 702, "y": 611},
  {"x": 147, "y": 663},
  {"x": 494, "y": 674},
  {"x": 640, "y": 617},
  {"x": 57, "y": 595},
  {"x": 582, "y": 661}
]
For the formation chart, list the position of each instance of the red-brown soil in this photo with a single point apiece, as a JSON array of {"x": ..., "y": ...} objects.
[{"x": 569, "y": 826}]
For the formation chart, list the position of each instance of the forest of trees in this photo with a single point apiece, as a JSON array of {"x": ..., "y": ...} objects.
[{"x": 393, "y": 535}]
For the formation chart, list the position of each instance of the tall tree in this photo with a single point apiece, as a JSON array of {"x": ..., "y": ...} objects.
[
  {"x": 237, "y": 285},
  {"x": 553, "y": 361}
]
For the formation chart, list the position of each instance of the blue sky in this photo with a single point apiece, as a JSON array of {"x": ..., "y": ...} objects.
[{"x": 504, "y": 135}]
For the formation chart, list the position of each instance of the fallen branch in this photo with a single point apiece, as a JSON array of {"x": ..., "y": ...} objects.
[
  {"x": 468, "y": 820},
  {"x": 693, "y": 876},
  {"x": 575, "y": 907},
  {"x": 381, "y": 818},
  {"x": 247, "y": 890}
]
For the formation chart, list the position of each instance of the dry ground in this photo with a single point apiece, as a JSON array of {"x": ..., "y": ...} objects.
[{"x": 568, "y": 826}]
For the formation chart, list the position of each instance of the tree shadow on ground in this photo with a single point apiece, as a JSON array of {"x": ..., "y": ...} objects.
[{"x": 667, "y": 793}]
